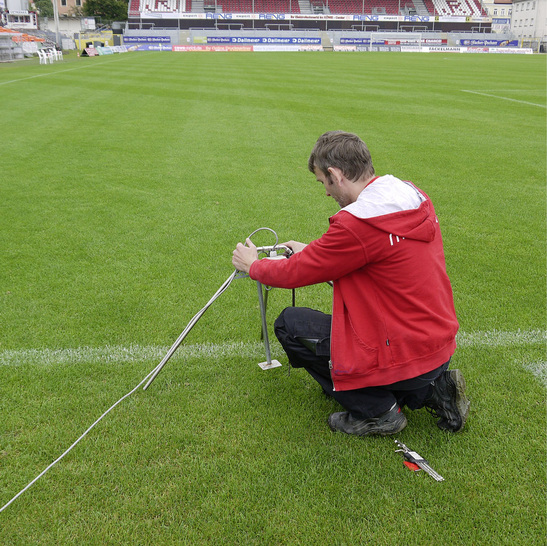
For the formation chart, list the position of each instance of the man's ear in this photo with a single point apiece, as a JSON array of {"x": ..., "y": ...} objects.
[{"x": 336, "y": 175}]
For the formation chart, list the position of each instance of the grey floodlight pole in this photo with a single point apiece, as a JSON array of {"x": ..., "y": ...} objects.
[{"x": 56, "y": 18}]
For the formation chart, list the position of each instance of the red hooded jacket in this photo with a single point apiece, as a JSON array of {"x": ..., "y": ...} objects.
[{"x": 393, "y": 315}]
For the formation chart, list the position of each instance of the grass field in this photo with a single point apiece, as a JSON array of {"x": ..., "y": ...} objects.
[{"x": 126, "y": 181}]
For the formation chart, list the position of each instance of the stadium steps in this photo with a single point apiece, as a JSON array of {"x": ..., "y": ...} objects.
[
  {"x": 325, "y": 41},
  {"x": 421, "y": 8},
  {"x": 305, "y": 6},
  {"x": 430, "y": 6}
]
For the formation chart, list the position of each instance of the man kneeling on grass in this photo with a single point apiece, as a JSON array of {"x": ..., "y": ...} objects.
[{"x": 391, "y": 335}]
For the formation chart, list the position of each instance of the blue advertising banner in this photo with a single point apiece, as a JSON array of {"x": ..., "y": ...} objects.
[
  {"x": 149, "y": 47},
  {"x": 361, "y": 41},
  {"x": 147, "y": 39},
  {"x": 489, "y": 43},
  {"x": 262, "y": 40}
]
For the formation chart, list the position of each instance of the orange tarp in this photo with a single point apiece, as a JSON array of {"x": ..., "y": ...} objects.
[{"x": 22, "y": 37}]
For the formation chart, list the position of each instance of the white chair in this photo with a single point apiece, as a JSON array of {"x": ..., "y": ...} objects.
[{"x": 42, "y": 57}]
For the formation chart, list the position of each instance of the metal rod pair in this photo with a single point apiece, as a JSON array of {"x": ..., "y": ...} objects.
[{"x": 269, "y": 362}]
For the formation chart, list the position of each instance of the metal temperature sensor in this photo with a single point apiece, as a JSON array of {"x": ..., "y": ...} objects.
[{"x": 274, "y": 252}]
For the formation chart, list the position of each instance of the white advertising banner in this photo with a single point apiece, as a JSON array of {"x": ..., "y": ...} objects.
[{"x": 312, "y": 17}]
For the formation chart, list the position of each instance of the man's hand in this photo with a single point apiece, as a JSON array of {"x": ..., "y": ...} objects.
[
  {"x": 244, "y": 256},
  {"x": 295, "y": 246}
]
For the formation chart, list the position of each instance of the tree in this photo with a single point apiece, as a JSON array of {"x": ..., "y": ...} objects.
[
  {"x": 110, "y": 10},
  {"x": 44, "y": 8}
]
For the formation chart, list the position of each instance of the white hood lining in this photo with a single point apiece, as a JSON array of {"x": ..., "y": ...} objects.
[{"x": 385, "y": 195}]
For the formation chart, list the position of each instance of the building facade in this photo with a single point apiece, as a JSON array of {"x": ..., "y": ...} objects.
[
  {"x": 69, "y": 8},
  {"x": 501, "y": 9},
  {"x": 529, "y": 19}
]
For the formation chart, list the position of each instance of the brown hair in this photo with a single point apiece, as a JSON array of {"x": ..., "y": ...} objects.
[{"x": 345, "y": 151}]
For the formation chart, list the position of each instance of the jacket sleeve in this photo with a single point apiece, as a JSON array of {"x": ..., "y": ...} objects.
[{"x": 335, "y": 254}]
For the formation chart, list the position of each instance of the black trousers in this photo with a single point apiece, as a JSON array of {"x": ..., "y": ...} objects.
[{"x": 305, "y": 336}]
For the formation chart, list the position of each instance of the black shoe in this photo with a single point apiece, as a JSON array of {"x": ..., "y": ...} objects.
[
  {"x": 390, "y": 422},
  {"x": 448, "y": 401}
]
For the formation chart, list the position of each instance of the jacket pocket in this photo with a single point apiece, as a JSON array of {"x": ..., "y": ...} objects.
[{"x": 353, "y": 356}]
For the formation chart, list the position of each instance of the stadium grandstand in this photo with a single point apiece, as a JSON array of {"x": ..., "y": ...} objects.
[
  {"x": 323, "y": 15},
  {"x": 448, "y": 8},
  {"x": 353, "y": 25}
]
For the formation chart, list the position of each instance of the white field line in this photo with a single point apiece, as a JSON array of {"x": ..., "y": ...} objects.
[
  {"x": 498, "y": 338},
  {"x": 504, "y": 98},
  {"x": 539, "y": 369},
  {"x": 61, "y": 71},
  {"x": 136, "y": 353},
  {"x": 120, "y": 355}
]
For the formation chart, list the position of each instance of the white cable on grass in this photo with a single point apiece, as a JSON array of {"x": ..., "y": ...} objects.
[
  {"x": 73, "y": 445},
  {"x": 150, "y": 375},
  {"x": 189, "y": 326}
]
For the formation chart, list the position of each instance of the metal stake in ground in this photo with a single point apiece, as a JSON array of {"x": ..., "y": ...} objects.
[{"x": 269, "y": 362}]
